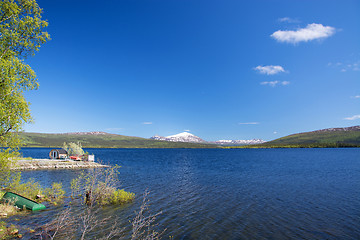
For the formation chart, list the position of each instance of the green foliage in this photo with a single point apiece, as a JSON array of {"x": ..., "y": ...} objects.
[
  {"x": 103, "y": 193},
  {"x": 7, "y": 157},
  {"x": 73, "y": 148},
  {"x": 21, "y": 34},
  {"x": 99, "y": 187},
  {"x": 109, "y": 195},
  {"x": 120, "y": 196},
  {"x": 102, "y": 141},
  {"x": 21, "y": 28},
  {"x": 29, "y": 189},
  {"x": 32, "y": 189},
  {"x": 76, "y": 188},
  {"x": 55, "y": 193}
]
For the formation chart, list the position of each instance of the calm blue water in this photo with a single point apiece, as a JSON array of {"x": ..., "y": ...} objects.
[{"x": 232, "y": 193}]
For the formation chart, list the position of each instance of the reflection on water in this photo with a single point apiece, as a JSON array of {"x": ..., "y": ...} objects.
[{"x": 230, "y": 194}]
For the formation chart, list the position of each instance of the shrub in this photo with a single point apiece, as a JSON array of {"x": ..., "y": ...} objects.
[
  {"x": 28, "y": 189},
  {"x": 32, "y": 190},
  {"x": 99, "y": 187},
  {"x": 55, "y": 193},
  {"x": 109, "y": 195},
  {"x": 103, "y": 193},
  {"x": 120, "y": 196}
]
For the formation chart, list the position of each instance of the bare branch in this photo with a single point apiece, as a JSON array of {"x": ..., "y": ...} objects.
[
  {"x": 62, "y": 225},
  {"x": 142, "y": 225}
]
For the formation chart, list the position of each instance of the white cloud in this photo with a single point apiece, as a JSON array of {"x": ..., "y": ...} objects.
[
  {"x": 357, "y": 96},
  {"x": 353, "y": 117},
  {"x": 249, "y": 123},
  {"x": 186, "y": 130},
  {"x": 271, "y": 83},
  {"x": 310, "y": 32},
  {"x": 275, "y": 132},
  {"x": 274, "y": 83},
  {"x": 147, "y": 123},
  {"x": 270, "y": 69},
  {"x": 288, "y": 20},
  {"x": 354, "y": 66}
]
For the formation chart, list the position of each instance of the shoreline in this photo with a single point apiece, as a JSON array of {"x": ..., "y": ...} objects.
[{"x": 40, "y": 164}]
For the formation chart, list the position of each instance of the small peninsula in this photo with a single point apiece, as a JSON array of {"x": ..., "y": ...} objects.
[{"x": 41, "y": 164}]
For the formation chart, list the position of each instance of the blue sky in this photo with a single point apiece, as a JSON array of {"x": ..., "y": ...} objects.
[{"x": 219, "y": 69}]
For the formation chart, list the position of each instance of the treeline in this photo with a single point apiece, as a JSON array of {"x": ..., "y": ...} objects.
[{"x": 312, "y": 145}]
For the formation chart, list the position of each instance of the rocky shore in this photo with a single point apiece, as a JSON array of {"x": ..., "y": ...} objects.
[{"x": 37, "y": 164}]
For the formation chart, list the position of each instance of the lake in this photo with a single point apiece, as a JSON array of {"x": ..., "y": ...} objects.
[{"x": 229, "y": 193}]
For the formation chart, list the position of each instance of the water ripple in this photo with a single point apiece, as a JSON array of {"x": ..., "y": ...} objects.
[{"x": 232, "y": 194}]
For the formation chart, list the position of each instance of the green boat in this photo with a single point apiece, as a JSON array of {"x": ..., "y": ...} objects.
[{"x": 22, "y": 202}]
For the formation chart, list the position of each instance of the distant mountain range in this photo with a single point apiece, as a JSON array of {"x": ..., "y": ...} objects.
[
  {"x": 102, "y": 140},
  {"x": 330, "y": 137},
  {"x": 108, "y": 140},
  {"x": 188, "y": 137}
]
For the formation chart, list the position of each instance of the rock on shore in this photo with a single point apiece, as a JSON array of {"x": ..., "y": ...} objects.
[{"x": 37, "y": 164}]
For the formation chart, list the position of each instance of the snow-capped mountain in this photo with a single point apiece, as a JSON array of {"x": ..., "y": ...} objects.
[
  {"x": 181, "y": 137},
  {"x": 188, "y": 137}
]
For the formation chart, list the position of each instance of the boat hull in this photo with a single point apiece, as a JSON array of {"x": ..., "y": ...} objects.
[{"x": 22, "y": 202}]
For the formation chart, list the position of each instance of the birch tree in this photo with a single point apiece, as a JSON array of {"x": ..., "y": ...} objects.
[{"x": 21, "y": 34}]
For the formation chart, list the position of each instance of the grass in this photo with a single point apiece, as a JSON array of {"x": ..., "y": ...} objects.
[{"x": 8, "y": 209}]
